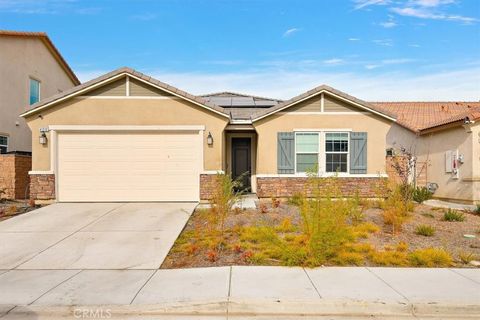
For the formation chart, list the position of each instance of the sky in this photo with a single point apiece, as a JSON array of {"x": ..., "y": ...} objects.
[{"x": 376, "y": 50}]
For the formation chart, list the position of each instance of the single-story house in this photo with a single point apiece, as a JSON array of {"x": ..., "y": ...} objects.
[
  {"x": 444, "y": 140},
  {"x": 128, "y": 137}
]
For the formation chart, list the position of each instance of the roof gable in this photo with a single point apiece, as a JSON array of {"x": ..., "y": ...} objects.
[
  {"x": 330, "y": 91},
  {"x": 112, "y": 77},
  {"x": 50, "y": 46}
]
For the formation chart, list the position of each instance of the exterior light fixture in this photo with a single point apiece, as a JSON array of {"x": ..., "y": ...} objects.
[
  {"x": 43, "y": 138},
  {"x": 209, "y": 139}
]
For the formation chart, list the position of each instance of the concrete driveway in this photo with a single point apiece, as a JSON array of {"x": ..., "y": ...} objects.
[{"x": 92, "y": 236}]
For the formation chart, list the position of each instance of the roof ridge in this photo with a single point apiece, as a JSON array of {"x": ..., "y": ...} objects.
[
  {"x": 127, "y": 71},
  {"x": 239, "y": 94}
]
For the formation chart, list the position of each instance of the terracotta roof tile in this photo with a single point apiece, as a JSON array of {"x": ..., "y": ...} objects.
[{"x": 419, "y": 116}]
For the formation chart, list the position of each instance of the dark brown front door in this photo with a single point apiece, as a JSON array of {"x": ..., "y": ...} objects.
[{"x": 241, "y": 161}]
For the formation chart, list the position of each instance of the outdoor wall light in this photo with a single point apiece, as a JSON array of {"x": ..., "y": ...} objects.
[
  {"x": 209, "y": 139},
  {"x": 43, "y": 138}
]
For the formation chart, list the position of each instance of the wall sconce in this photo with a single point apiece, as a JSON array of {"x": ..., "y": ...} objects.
[
  {"x": 43, "y": 138},
  {"x": 209, "y": 139}
]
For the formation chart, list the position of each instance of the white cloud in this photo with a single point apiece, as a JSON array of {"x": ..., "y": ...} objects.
[
  {"x": 148, "y": 16},
  {"x": 423, "y": 13},
  {"x": 360, "y": 4},
  {"x": 353, "y": 39},
  {"x": 388, "y": 24},
  {"x": 384, "y": 42},
  {"x": 290, "y": 32},
  {"x": 414, "y": 45},
  {"x": 388, "y": 86},
  {"x": 334, "y": 61},
  {"x": 430, "y": 3},
  {"x": 397, "y": 61}
]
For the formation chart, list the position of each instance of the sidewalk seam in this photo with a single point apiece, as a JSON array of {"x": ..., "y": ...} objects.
[
  {"x": 388, "y": 284},
  {"x": 49, "y": 290},
  {"x": 464, "y": 276},
  {"x": 147, "y": 281},
  {"x": 8, "y": 311},
  {"x": 313, "y": 284},
  {"x": 229, "y": 290},
  {"x": 68, "y": 236}
]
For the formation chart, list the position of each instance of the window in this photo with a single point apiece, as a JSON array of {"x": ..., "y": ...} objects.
[
  {"x": 3, "y": 144},
  {"x": 306, "y": 146},
  {"x": 336, "y": 152},
  {"x": 34, "y": 91}
]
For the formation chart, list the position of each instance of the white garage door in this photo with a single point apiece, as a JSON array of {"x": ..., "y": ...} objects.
[{"x": 132, "y": 166}]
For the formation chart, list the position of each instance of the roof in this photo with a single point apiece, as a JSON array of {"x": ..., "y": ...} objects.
[
  {"x": 115, "y": 75},
  {"x": 50, "y": 46},
  {"x": 228, "y": 99},
  {"x": 420, "y": 116},
  {"x": 315, "y": 91}
]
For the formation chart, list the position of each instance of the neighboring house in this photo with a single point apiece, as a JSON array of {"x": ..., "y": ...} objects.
[
  {"x": 31, "y": 69},
  {"x": 444, "y": 138},
  {"x": 128, "y": 137}
]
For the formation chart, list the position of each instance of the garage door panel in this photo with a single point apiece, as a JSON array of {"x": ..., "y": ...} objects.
[{"x": 162, "y": 166}]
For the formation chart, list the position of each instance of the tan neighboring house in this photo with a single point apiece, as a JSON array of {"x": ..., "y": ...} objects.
[
  {"x": 128, "y": 137},
  {"x": 31, "y": 69},
  {"x": 444, "y": 139}
]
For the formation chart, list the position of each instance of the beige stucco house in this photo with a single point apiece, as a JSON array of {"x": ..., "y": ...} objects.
[
  {"x": 444, "y": 140},
  {"x": 128, "y": 137},
  {"x": 31, "y": 68}
]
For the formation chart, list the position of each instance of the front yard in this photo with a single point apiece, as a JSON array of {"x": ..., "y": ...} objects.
[{"x": 326, "y": 231}]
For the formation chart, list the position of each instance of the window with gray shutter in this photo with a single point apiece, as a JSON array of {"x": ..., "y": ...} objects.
[
  {"x": 285, "y": 152},
  {"x": 358, "y": 152}
]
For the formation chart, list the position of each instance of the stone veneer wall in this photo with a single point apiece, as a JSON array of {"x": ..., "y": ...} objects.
[
  {"x": 14, "y": 175},
  {"x": 283, "y": 187},
  {"x": 42, "y": 186},
  {"x": 207, "y": 186}
]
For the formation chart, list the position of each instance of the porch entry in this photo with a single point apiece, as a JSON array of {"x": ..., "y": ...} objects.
[{"x": 242, "y": 161}]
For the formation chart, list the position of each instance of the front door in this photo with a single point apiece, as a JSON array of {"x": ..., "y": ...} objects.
[{"x": 241, "y": 161}]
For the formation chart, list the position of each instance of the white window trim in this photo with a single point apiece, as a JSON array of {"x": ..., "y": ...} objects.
[
  {"x": 4, "y": 145},
  {"x": 337, "y": 152},
  {"x": 322, "y": 153},
  {"x": 39, "y": 89}
]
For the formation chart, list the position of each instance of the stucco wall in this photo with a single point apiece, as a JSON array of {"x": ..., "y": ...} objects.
[
  {"x": 130, "y": 111},
  {"x": 432, "y": 148},
  {"x": 20, "y": 59},
  {"x": 267, "y": 129}
]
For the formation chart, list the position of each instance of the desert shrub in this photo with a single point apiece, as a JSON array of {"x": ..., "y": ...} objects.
[
  {"x": 349, "y": 258},
  {"x": 285, "y": 226},
  {"x": 356, "y": 213},
  {"x": 396, "y": 209},
  {"x": 390, "y": 258},
  {"x": 453, "y": 216},
  {"x": 296, "y": 199},
  {"x": 224, "y": 196},
  {"x": 421, "y": 194},
  {"x": 363, "y": 230},
  {"x": 476, "y": 211},
  {"x": 466, "y": 257},
  {"x": 425, "y": 230},
  {"x": 430, "y": 257},
  {"x": 11, "y": 210},
  {"x": 275, "y": 203}
]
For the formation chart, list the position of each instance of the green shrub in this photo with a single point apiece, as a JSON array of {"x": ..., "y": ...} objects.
[
  {"x": 476, "y": 211},
  {"x": 430, "y": 257},
  {"x": 396, "y": 209},
  {"x": 420, "y": 194},
  {"x": 425, "y": 230},
  {"x": 453, "y": 215},
  {"x": 295, "y": 200}
]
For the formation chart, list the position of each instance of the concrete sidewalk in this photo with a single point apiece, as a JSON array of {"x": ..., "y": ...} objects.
[{"x": 241, "y": 292}]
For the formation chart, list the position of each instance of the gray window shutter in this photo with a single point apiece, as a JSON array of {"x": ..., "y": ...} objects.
[
  {"x": 358, "y": 152},
  {"x": 285, "y": 152}
]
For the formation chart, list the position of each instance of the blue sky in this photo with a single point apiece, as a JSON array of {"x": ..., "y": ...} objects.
[{"x": 373, "y": 49}]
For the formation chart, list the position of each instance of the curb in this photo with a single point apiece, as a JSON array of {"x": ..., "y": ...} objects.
[{"x": 246, "y": 308}]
